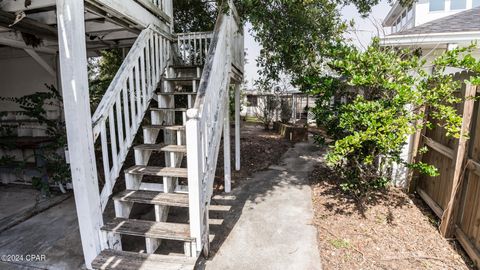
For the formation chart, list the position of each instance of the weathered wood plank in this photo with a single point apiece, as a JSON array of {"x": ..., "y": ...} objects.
[
  {"x": 157, "y": 171},
  {"x": 76, "y": 102},
  {"x": 153, "y": 197},
  {"x": 124, "y": 260},
  {"x": 164, "y": 127},
  {"x": 162, "y": 148},
  {"x": 440, "y": 148},
  {"x": 433, "y": 205},
  {"x": 472, "y": 252},
  {"x": 169, "y": 109},
  {"x": 150, "y": 229},
  {"x": 176, "y": 93},
  {"x": 447, "y": 227}
]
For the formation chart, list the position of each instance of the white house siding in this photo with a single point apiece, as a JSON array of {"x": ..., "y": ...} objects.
[
  {"x": 21, "y": 75},
  {"x": 424, "y": 15}
]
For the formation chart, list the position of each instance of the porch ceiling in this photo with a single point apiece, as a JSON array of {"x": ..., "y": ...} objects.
[{"x": 104, "y": 27}]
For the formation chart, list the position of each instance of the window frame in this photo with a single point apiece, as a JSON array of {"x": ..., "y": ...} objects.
[{"x": 436, "y": 10}]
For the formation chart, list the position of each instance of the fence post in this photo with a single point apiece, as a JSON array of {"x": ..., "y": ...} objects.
[
  {"x": 74, "y": 80},
  {"x": 447, "y": 226},
  {"x": 195, "y": 172}
]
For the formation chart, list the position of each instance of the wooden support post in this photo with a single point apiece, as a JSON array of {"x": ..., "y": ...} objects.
[
  {"x": 226, "y": 146},
  {"x": 447, "y": 226},
  {"x": 237, "y": 127},
  {"x": 73, "y": 66},
  {"x": 194, "y": 157}
]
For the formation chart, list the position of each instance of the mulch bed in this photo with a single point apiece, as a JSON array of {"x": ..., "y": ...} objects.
[
  {"x": 258, "y": 150},
  {"x": 391, "y": 230}
]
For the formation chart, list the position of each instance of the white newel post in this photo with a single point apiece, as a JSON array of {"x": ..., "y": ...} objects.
[
  {"x": 226, "y": 145},
  {"x": 195, "y": 173},
  {"x": 237, "y": 127},
  {"x": 74, "y": 81}
]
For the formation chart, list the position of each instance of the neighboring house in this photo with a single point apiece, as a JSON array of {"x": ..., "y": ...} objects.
[{"x": 433, "y": 25}]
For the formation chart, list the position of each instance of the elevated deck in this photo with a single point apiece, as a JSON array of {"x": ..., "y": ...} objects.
[{"x": 108, "y": 23}]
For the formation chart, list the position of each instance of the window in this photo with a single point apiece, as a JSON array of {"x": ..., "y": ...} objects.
[
  {"x": 436, "y": 5},
  {"x": 252, "y": 101},
  {"x": 476, "y": 3},
  {"x": 458, "y": 4}
]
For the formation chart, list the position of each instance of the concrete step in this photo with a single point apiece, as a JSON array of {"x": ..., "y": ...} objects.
[
  {"x": 157, "y": 171},
  {"x": 124, "y": 260},
  {"x": 149, "y": 229},
  {"x": 152, "y": 197}
]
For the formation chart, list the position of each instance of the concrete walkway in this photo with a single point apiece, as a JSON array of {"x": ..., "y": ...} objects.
[{"x": 267, "y": 221}]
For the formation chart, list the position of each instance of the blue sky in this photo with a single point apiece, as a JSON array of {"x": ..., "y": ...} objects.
[{"x": 365, "y": 30}]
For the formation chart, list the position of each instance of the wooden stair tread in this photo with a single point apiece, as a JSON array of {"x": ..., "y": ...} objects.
[
  {"x": 149, "y": 229},
  {"x": 162, "y": 148},
  {"x": 125, "y": 260},
  {"x": 186, "y": 66},
  {"x": 181, "y": 79},
  {"x": 169, "y": 109},
  {"x": 176, "y": 93},
  {"x": 158, "y": 171},
  {"x": 153, "y": 197},
  {"x": 167, "y": 127}
]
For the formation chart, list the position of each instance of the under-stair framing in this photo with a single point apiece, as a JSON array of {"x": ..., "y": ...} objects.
[{"x": 198, "y": 68}]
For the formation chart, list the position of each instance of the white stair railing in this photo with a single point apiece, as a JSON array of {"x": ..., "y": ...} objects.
[
  {"x": 193, "y": 47},
  {"x": 121, "y": 110},
  {"x": 206, "y": 121}
]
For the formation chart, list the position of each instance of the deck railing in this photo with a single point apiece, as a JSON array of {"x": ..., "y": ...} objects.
[
  {"x": 193, "y": 47},
  {"x": 206, "y": 121},
  {"x": 126, "y": 100}
]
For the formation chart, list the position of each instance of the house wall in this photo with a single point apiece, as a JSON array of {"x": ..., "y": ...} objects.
[
  {"x": 21, "y": 75},
  {"x": 423, "y": 15}
]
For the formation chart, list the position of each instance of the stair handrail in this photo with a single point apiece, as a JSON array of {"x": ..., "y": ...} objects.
[
  {"x": 126, "y": 100},
  {"x": 206, "y": 120}
]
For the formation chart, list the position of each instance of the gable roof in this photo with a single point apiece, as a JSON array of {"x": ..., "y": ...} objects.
[{"x": 465, "y": 21}]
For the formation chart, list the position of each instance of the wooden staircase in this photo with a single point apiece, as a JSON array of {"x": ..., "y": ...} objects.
[{"x": 176, "y": 83}]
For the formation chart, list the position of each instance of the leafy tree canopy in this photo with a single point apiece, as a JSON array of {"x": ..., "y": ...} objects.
[{"x": 297, "y": 36}]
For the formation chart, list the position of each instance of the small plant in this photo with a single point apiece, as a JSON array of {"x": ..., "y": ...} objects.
[
  {"x": 50, "y": 162},
  {"x": 340, "y": 243},
  {"x": 268, "y": 105}
]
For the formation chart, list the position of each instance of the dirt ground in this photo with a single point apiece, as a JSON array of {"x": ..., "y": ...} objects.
[
  {"x": 393, "y": 230},
  {"x": 259, "y": 149}
]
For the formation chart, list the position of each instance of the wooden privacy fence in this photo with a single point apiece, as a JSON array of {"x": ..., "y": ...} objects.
[{"x": 454, "y": 195}]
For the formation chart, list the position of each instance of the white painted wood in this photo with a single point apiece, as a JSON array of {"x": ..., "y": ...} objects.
[
  {"x": 74, "y": 80},
  {"x": 194, "y": 46},
  {"x": 15, "y": 6},
  {"x": 195, "y": 184},
  {"x": 205, "y": 123},
  {"x": 226, "y": 147},
  {"x": 12, "y": 40},
  {"x": 131, "y": 10},
  {"x": 41, "y": 62},
  {"x": 237, "y": 127},
  {"x": 131, "y": 89}
]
